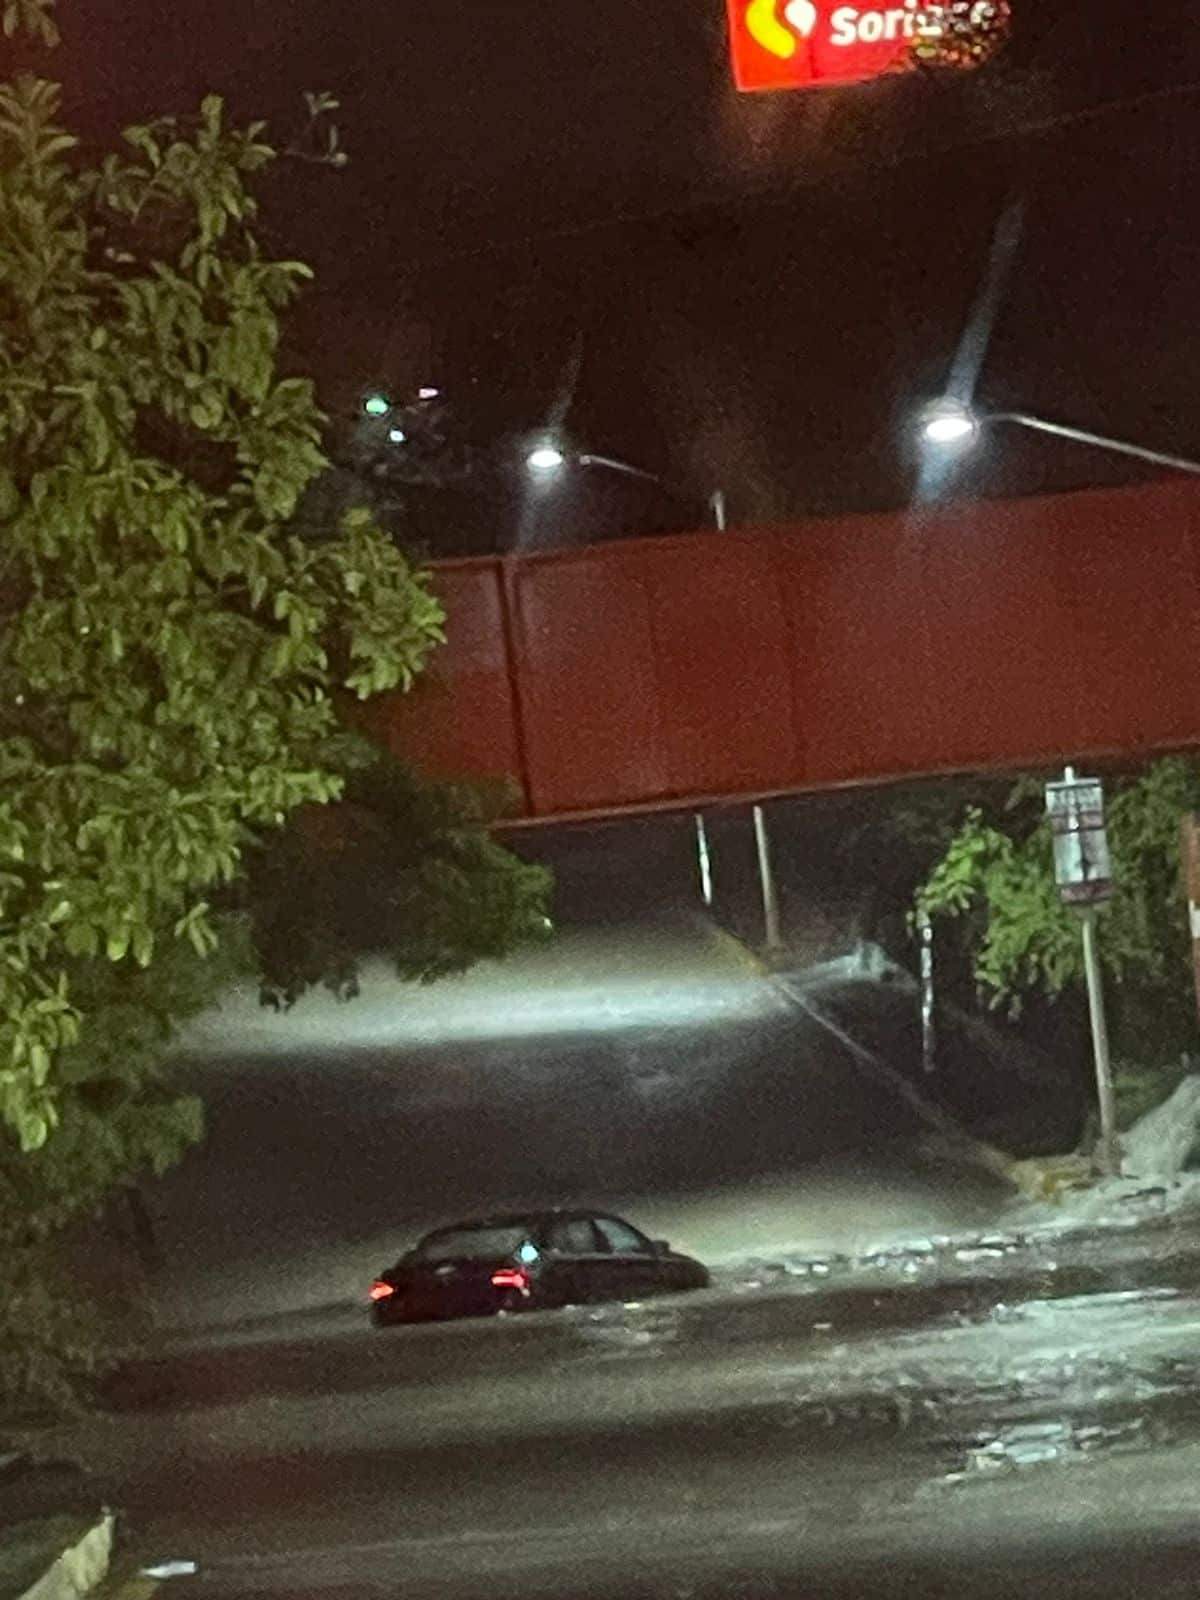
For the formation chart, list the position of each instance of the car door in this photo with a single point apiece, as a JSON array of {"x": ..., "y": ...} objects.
[
  {"x": 573, "y": 1262},
  {"x": 632, "y": 1267}
]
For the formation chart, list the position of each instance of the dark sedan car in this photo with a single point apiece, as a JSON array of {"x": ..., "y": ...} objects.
[{"x": 528, "y": 1261}]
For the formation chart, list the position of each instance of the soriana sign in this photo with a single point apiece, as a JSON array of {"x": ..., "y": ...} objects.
[{"x": 802, "y": 44}]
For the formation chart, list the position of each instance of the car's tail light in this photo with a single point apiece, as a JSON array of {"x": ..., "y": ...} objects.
[
  {"x": 381, "y": 1290},
  {"x": 510, "y": 1278}
]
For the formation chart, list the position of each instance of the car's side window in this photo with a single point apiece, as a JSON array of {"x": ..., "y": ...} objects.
[
  {"x": 622, "y": 1239},
  {"x": 573, "y": 1236}
]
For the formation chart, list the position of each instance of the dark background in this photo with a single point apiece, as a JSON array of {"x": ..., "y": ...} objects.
[{"x": 562, "y": 211}]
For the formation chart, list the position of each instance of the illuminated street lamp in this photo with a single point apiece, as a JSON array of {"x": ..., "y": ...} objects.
[
  {"x": 546, "y": 459},
  {"x": 950, "y": 424}
]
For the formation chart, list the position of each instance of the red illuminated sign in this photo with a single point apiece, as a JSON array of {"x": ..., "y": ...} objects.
[{"x": 802, "y": 44}]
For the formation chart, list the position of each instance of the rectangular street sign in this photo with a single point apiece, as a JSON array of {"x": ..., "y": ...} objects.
[{"x": 1082, "y": 867}]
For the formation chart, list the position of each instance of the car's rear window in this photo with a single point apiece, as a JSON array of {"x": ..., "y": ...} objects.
[{"x": 471, "y": 1244}]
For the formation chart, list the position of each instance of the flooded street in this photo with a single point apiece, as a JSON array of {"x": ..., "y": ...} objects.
[
  {"x": 904, "y": 1378},
  {"x": 808, "y": 1420}
]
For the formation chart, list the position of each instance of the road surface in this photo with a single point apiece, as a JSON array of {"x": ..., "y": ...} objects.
[
  {"x": 651, "y": 1067},
  {"x": 896, "y": 1385},
  {"x": 977, "y": 1414}
]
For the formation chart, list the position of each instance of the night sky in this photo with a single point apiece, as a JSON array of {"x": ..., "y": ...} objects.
[{"x": 758, "y": 288}]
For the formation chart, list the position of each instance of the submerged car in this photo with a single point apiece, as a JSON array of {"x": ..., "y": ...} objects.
[{"x": 529, "y": 1261}]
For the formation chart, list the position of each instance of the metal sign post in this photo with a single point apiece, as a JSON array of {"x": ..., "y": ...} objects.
[
  {"x": 1189, "y": 847},
  {"x": 1083, "y": 871}
]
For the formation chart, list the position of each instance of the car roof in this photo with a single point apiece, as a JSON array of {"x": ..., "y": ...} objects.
[{"x": 535, "y": 1217}]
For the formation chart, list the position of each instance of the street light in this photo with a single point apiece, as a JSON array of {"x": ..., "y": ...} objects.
[
  {"x": 951, "y": 423},
  {"x": 547, "y": 458},
  {"x": 947, "y": 425}
]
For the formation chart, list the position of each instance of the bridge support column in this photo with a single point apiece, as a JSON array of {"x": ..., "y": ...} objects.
[
  {"x": 766, "y": 881},
  {"x": 704, "y": 859},
  {"x": 928, "y": 994}
]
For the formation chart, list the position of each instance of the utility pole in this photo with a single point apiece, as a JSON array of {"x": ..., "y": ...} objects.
[{"x": 1083, "y": 872}]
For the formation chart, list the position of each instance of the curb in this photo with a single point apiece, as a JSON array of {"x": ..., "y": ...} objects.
[
  {"x": 80, "y": 1568},
  {"x": 1048, "y": 1179},
  {"x": 998, "y": 1162}
]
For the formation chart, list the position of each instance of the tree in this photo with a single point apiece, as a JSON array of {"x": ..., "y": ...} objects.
[
  {"x": 400, "y": 867},
  {"x": 122, "y": 1119},
  {"x": 997, "y": 879},
  {"x": 177, "y": 652},
  {"x": 171, "y": 649}
]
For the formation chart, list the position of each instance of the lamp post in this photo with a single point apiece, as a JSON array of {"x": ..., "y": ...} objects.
[
  {"x": 547, "y": 459},
  {"x": 950, "y": 423}
]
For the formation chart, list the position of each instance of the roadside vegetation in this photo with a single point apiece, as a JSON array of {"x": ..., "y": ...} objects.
[
  {"x": 992, "y": 895},
  {"x": 180, "y": 662}
]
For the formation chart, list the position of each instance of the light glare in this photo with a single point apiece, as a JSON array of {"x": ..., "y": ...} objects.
[
  {"x": 546, "y": 458},
  {"x": 376, "y": 405},
  {"x": 946, "y": 430},
  {"x": 949, "y": 424}
]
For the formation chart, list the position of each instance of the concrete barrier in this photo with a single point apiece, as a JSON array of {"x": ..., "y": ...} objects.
[{"x": 80, "y": 1567}]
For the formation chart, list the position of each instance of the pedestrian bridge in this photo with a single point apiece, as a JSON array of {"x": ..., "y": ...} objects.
[{"x": 710, "y": 667}]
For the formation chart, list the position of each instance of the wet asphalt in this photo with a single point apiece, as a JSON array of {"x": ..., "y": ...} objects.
[
  {"x": 1004, "y": 1412},
  {"x": 901, "y": 1382}
]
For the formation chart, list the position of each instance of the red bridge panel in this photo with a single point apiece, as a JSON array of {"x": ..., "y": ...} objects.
[
  {"x": 656, "y": 667},
  {"x": 460, "y": 720},
  {"x": 645, "y": 673}
]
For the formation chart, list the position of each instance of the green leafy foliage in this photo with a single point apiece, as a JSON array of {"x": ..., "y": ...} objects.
[
  {"x": 997, "y": 878},
  {"x": 32, "y": 18},
  {"x": 171, "y": 648},
  {"x": 47, "y": 1350},
  {"x": 177, "y": 651},
  {"x": 121, "y": 1120},
  {"x": 400, "y": 867}
]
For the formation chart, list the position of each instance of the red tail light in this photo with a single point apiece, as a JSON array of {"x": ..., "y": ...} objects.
[
  {"x": 381, "y": 1290},
  {"x": 510, "y": 1278}
]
